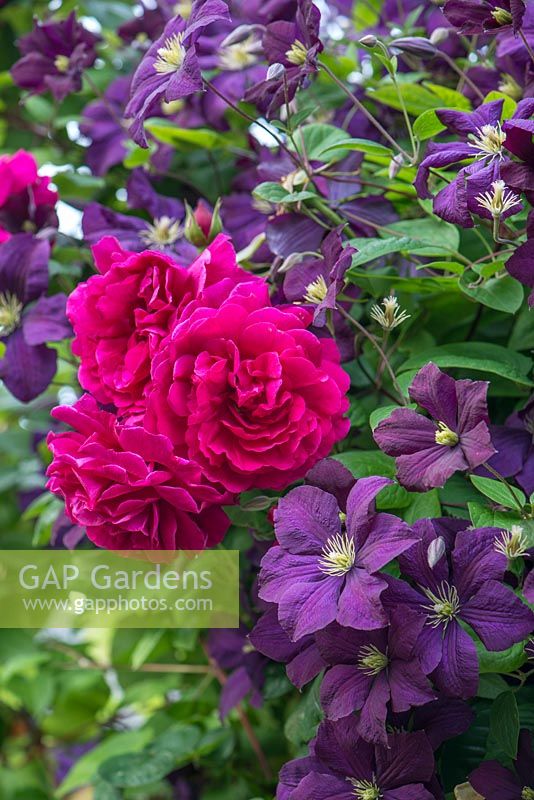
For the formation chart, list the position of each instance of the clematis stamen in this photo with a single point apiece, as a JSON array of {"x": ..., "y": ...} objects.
[
  {"x": 445, "y": 436},
  {"x": 183, "y": 9},
  {"x": 240, "y": 55},
  {"x": 164, "y": 231},
  {"x": 445, "y": 605},
  {"x": 502, "y": 16},
  {"x": 499, "y": 200},
  {"x": 297, "y": 53},
  {"x": 365, "y": 790},
  {"x": 62, "y": 63},
  {"x": 316, "y": 291},
  {"x": 371, "y": 660},
  {"x": 512, "y": 544},
  {"x": 488, "y": 141},
  {"x": 171, "y": 56},
  {"x": 338, "y": 555},
  {"x": 10, "y": 313},
  {"x": 527, "y": 793},
  {"x": 391, "y": 315}
]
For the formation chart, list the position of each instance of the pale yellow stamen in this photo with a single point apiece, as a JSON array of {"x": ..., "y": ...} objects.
[
  {"x": 316, "y": 291},
  {"x": 502, "y": 16},
  {"x": 391, "y": 315},
  {"x": 445, "y": 436},
  {"x": 171, "y": 56},
  {"x": 365, "y": 790},
  {"x": 338, "y": 555},
  {"x": 488, "y": 141},
  {"x": 510, "y": 86},
  {"x": 297, "y": 53},
  {"x": 294, "y": 179},
  {"x": 62, "y": 63},
  {"x": 445, "y": 605},
  {"x": 371, "y": 660},
  {"x": 498, "y": 201},
  {"x": 183, "y": 9},
  {"x": 512, "y": 543},
  {"x": 239, "y": 55},
  {"x": 164, "y": 231},
  {"x": 10, "y": 313}
]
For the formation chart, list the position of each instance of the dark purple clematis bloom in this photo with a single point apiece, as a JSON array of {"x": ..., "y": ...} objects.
[
  {"x": 28, "y": 319},
  {"x": 370, "y": 669},
  {"x": 54, "y": 56},
  {"x": 520, "y": 265},
  {"x": 102, "y": 123},
  {"x": 351, "y": 768},
  {"x": 170, "y": 69},
  {"x": 514, "y": 443},
  {"x": 231, "y": 650},
  {"x": 165, "y": 232},
  {"x": 302, "y": 659},
  {"x": 291, "y": 48},
  {"x": 465, "y": 584},
  {"x": 323, "y": 571},
  {"x": 482, "y": 143},
  {"x": 429, "y": 451},
  {"x": 484, "y": 16},
  {"x": 442, "y": 719},
  {"x": 495, "y": 782}
]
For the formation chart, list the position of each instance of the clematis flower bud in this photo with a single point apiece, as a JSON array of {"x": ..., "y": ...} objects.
[{"x": 415, "y": 46}]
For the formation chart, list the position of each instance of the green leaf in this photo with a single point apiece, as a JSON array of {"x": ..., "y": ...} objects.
[
  {"x": 484, "y": 517},
  {"x": 314, "y": 141},
  {"x": 423, "y": 506},
  {"x": 450, "y": 98},
  {"x": 436, "y": 235},
  {"x": 381, "y": 413},
  {"x": 379, "y": 283},
  {"x": 509, "y": 105},
  {"x": 371, "y": 249},
  {"x": 498, "y": 492},
  {"x": 275, "y": 193},
  {"x": 478, "y": 356},
  {"x": 77, "y": 186},
  {"x": 416, "y": 98},
  {"x": 503, "y": 293},
  {"x": 504, "y": 724},
  {"x": 427, "y": 125},
  {"x": 491, "y": 686},
  {"x": 86, "y": 767},
  {"x": 363, "y": 463},
  {"x": 188, "y": 138},
  {"x": 302, "y": 723},
  {"x": 361, "y": 146},
  {"x": 502, "y": 661},
  {"x": 105, "y": 791}
]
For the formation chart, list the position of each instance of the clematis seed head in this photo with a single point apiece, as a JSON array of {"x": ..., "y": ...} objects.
[{"x": 390, "y": 315}]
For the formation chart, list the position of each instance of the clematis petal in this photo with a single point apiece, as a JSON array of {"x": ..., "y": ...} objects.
[{"x": 498, "y": 616}]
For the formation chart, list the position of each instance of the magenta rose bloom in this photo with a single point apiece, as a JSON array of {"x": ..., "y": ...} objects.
[
  {"x": 121, "y": 316},
  {"x": 249, "y": 393},
  {"x": 127, "y": 487},
  {"x": 27, "y": 203}
]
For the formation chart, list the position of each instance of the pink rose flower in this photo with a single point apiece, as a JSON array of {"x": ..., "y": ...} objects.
[
  {"x": 121, "y": 315},
  {"x": 248, "y": 393},
  {"x": 126, "y": 486},
  {"x": 27, "y": 204}
]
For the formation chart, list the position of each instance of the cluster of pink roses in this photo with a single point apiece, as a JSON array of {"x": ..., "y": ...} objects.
[{"x": 209, "y": 390}]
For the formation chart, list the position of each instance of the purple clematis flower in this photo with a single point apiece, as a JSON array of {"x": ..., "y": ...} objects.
[
  {"x": 429, "y": 451},
  {"x": 28, "y": 319},
  {"x": 520, "y": 265},
  {"x": 495, "y": 782},
  {"x": 170, "y": 69},
  {"x": 302, "y": 659},
  {"x": 102, "y": 123},
  {"x": 231, "y": 650},
  {"x": 485, "y": 16},
  {"x": 351, "y": 768},
  {"x": 463, "y": 585},
  {"x": 441, "y": 720},
  {"x": 54, "y": 56},
  {"x": 165, "y": 232},
  {"x": 514, "y": 443},
  {"x": 291, "y": 48},
  {"x": 322, "y": 571},
  {"x": 370, "y": 669}
]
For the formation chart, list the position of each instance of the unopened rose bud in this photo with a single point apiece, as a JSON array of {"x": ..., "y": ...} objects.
[
  {"x": 275, "y": 71},
  {"x": 201, "y": 224},
  {"x": 415, "y": 46},
  {"x": 369, "y": 40}
]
